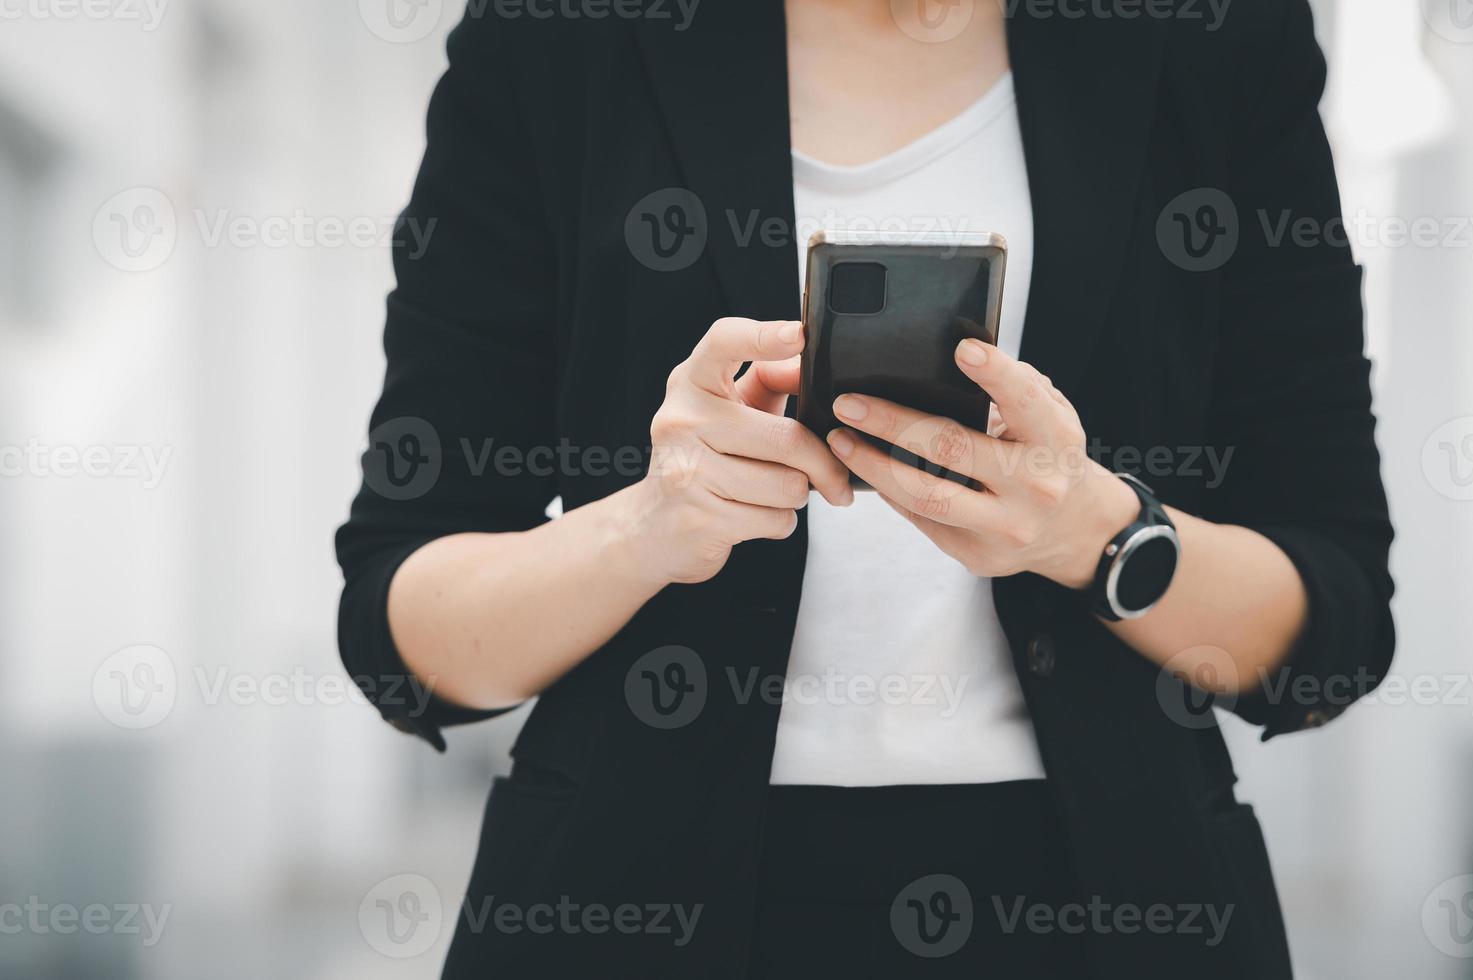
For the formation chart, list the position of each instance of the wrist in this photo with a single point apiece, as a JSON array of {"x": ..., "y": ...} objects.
[
  {"x": 628, "y": 542},
  {"x": 1109, "y": 507}
]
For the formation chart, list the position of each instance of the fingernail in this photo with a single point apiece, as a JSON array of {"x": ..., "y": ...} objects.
[
  {"x": 791, "y": 333},
  {"x": 972, "y": 352},
  {"x": 841, "y": 443},
  {"x": 849, "y": 407}
]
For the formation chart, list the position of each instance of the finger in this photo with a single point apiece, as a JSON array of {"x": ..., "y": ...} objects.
[
  {"x": 1023, "y": 396},
  {"x": 755, "y": 481},
  {"x": 733, "y": 341},
  {"x": 941, "y": 440},
  {"x": 739, "y": 430},
  {"x": 943, "y": 501},
  {"x": 747, "y": 522},
  {"x": 949, "y": 539},
  {"x": 767, "y": 384}
]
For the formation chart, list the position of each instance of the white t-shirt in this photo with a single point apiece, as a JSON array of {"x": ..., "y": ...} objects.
[{"x": 899, "y": 671}]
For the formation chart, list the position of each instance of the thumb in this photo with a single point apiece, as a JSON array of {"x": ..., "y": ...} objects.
[{"x": 766, "y": 385}]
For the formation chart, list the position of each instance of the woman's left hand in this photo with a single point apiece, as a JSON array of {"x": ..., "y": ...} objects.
[{"x": 1045, "y": 506}]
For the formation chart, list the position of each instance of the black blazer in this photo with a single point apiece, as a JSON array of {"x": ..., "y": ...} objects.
[{"x": 529, "y": 320}]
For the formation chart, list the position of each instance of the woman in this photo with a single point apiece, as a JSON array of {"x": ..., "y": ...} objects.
[{"x": 977, "y": 765}]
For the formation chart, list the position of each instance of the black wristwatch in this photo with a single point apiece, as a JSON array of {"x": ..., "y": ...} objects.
[{"x": 1138, "y": 563}]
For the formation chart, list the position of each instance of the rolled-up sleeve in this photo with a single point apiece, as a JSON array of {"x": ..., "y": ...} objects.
[
  {"x": 470, "y": 381},
  {"x": 1292, "y": 394}
]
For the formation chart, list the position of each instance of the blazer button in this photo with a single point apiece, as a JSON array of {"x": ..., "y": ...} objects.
[
  {"x": 1041, "y": 655},
  {"x": 1315, "y": 718}
]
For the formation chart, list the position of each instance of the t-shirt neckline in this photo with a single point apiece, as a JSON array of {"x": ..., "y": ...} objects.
[{"x": 913, "y": 155}]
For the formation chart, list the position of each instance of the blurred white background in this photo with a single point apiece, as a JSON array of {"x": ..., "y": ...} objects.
[{"x": 197, "y": 197}]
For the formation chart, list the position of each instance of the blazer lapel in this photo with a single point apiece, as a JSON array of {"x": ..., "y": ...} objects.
[
  {"x": 1086, "y": 91},
  {"x": 722, "y": 86}
]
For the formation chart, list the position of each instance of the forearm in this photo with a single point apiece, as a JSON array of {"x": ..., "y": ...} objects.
[
  {"x": 1234, "y": 609},
  {"x": 490, "y": 620}
]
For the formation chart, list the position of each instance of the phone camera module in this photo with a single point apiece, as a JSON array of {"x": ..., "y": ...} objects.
[{"x": 857, "y": 288}]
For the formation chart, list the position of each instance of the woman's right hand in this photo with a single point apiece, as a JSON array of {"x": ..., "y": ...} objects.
[
  {"x": 726, "y": 466},
  {"x": 469, "y": 612}
]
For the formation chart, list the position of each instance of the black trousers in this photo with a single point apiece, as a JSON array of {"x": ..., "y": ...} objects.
[{"x": 915, "y": 881}]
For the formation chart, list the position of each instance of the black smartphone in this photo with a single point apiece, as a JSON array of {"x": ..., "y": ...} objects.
[{"x": 882, "y": 315}]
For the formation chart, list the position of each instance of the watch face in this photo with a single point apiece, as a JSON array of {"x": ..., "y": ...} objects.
[{"x": 1146, "y": 572}]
